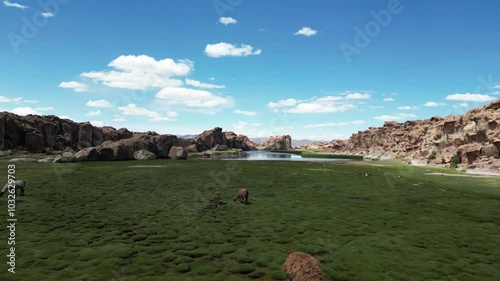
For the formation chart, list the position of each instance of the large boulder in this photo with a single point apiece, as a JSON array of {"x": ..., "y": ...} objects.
[
  {"x": 164, "y": 143},
  {"x": 490, "y": 150},
  {"x": 86, "y": 154},
  {"x": 85, "y": 135},
  {"x": 97, "y": 136},
  {"x": 469, "y": 153},
  {"x": 210, "y": 138},
  {"x": 177, "y": 152},
  {"x": 34, "y": 142},
  {"x": 144, "y": 155},
  {"x": 279, "y": 143},
  {"x": 66, "y": 157}
]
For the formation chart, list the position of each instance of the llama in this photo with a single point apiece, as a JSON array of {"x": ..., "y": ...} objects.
[
  {"x": 302, "y": 267},
  {"x": 242, "y": 196},
  {"x": 19, "y": 184}
]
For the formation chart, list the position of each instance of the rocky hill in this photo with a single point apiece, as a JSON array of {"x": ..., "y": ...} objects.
[
  {"x": 473, "y": 139},
  {"x": 276, "y": 143}
]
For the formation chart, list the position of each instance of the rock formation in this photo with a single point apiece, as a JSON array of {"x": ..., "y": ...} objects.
[
  {"x": 474, "y": 137},
  {"x": 277, "y": 143},
  {"x": 44, "y": 134}
]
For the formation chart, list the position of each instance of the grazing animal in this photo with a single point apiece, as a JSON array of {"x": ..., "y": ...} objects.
[
  {"x": 302, "y": 267},
  {"x": 242, "y": 196},
  {"x": 19, "y": 184},
  {"x": 367, "y": 174}
]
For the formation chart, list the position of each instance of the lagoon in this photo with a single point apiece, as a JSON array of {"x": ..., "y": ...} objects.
[{"x": 277, "y": 156}]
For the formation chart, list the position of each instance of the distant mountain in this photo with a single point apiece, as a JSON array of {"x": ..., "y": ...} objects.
[
  {"x": 304, "y": 142},
  {"x": 187, "y": 136},
  {"x": 294, "y": 142}
]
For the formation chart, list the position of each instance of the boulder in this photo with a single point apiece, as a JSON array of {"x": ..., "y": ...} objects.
[
  {"x": 144, "y": 155},
  {"x": 34, "y": 142},
  {"x": 210, "y": 138},
  {"x": 277, "y": 143},
  {"x": 97, "y": 136},
  {"x": 164, "y": 143},
  {"x": 490, "y": 150},
  {"x": 177, "y": 152},
  {"x": 469, "y": 153},
  {"x": 85, "y": 135},
  {"x": 86, "y": 154}
]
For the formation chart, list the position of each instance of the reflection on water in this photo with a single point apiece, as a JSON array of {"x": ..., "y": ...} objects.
[{"x": 266, "y": 155}]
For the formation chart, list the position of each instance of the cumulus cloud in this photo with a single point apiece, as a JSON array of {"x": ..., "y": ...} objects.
[
  {"x": 141, "y": 72},
  {"x": 355, "y": 96},
  {"x": 326, "y": 104},
  {"x": 76, "y": 86},
  {"x": 224, "y": 49},
  {"x": 193, "y": 98},
  {"x": 14, "y": 5},
  {"x": 28, "y": 110},
  {"x": 282, "y": 103},
  {"x": 244, "y": 112},
  {"x": 399, "y": 116},
  {"x": 470, "y": 97},
  {"x": 306, "y": 31},
  {"x": 375, "y": 107},
  {"x": 47, "y": 15},
  {"x": 433, "y": 104},
  {"x": 13, "y": 100},
  {"x": 407, "y": 107},
  {"x": 388, "y": 99},
  {"x": 199, "y": 84},
  {"x": 134, "y": 110},
  {"x": 93, "y": 113},
  {"x": 462, "y": 104},
  {"x": 99, "y": 103},
  {"x": 335, "y": 124},
  {"x": 227, "y": 20}
]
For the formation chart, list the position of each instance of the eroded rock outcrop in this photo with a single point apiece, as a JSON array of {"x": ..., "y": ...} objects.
[
  {"x": 277, "y": 143},
  {"x": 39, "y": 134},
  {"x": 472, "y": 137}
]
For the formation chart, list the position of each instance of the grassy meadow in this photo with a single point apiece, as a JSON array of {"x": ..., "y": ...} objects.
[{"x": 175, "y": 220}]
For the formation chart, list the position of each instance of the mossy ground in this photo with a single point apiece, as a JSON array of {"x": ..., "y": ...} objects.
[{"x": 175, "y": 220}]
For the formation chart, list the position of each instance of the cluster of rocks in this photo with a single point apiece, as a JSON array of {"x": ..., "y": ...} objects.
[
  {"x": 276, "y": 143},
  {"x": 473, "y": 137}
]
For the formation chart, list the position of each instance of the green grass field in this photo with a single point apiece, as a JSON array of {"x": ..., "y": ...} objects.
[{"x": 175, "y": 220}]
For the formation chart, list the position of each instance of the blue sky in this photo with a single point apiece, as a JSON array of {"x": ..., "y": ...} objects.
[{"x": 312, "y": 69}]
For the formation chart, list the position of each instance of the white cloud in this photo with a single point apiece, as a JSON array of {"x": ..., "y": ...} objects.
[
  {"x": 13, "y": 100},
  {"x": 199, "y": 84},
  {"x": 14, "y": 5},
  {"x": 335, "y": 124},
  {"x": 306, "y": 31},
  {"x": 76, "y": 86},
  {"x": 496, "y": 87},
  {"x": 193, "y": 98},
  {"x": 211, "y": 78},
  {"x": 282, "y": 103},
  {"x": 399, "y": 116},
  {"x": 327, "y": 104},
  {"x": 99, "y": 103},
  {"x": 470, "y": 97},
  {"x": 28, "y": 110},
  {"x": 97, "y": 123},
  {"x": 47, "y": 15},
  {"x": 462, "y": 104},
  {"x": 93, "y": 113},
  {"x": 433, "y": 104},
  {"x": 354, "y": 96},
  {"x": 407, "y": 107},
  {"x": 224, "y": 49},
  {"x": 375, "y": 107},
  {"x": 227, "y": 20},
  {"x": 247, "y": 113},
  {"x": 141, "y": 72},
  {"x": 31, "y": 101},
  {"x": 496, "y": 93},
  {"x": 119, "y": 118},
  {"x": 134, "y": 110},
  {"x": 388, "y": 99}
]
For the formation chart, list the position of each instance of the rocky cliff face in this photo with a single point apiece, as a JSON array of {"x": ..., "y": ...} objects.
[
  {"x": 474, "y": 137},
  {"x": 276, "y": 143},
  {"x": 44, "y": 134}
]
